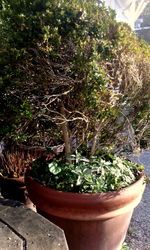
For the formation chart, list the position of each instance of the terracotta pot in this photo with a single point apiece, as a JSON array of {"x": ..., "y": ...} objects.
[
  {"x": 90, "y": 221},
  {"x": 13, "y": 188}
]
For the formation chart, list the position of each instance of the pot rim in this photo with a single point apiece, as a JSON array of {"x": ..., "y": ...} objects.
[
  {"x": 85, "y": 206},
  {"x": 18, "y": 179},
  {"x": 142, "y": 178}
]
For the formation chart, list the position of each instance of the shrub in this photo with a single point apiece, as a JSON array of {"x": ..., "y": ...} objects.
[{"x": 70, "y": 70}]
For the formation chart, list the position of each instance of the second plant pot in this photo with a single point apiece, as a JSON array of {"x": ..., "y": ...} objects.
[{"x": 13, "y": 188}]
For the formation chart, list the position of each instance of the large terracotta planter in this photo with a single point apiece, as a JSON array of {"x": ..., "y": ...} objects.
[{"x": 90, "y": 221}]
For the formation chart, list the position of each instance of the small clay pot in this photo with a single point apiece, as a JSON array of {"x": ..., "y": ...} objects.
[{"x": 13, "y": 188}]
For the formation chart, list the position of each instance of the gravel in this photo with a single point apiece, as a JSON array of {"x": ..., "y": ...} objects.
[{"x": 138, "y": 237}]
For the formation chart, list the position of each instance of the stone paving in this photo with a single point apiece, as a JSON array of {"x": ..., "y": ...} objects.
[
  {"x": 23, "y": 229},
  {"x": 138, "y": 237}
]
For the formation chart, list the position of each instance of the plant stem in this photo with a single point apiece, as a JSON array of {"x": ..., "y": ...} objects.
[
  {"x": 97, "y": 130},
  {"x": 65, "y": 131}
]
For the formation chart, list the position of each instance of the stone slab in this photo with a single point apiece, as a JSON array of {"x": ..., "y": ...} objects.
[
  {"x": 5, "y": 204},
  {"x": 8, "y": 239},
  {"x": 20, "y": 225}
]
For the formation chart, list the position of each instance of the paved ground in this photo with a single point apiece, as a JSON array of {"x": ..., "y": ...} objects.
[
  {"x": 23, "y": 229},
  {"x": 138, "y": 237}
]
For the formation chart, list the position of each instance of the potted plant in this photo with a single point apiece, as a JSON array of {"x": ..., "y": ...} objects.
[
  {"x": 14, "y": 159},
  {"x": 13, "y": 163},
  {"x": 86, "y": 76}
]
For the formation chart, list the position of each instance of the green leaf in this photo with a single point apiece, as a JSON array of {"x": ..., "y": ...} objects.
[
  {"x": 140, "y": 167},
  {"x": 54, "y": 168},
  {"x": 79, "y": 181}
]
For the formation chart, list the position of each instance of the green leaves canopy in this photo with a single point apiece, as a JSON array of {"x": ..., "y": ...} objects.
[{"x": 75, "y": 53}]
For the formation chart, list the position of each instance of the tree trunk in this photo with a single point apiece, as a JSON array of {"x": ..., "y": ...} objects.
[
  {"x": 100, "y": 125},
  {"x": 65, "y": 131}
]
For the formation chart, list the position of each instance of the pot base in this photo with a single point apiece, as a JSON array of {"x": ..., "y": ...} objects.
[{"x": 93, "y": 235}]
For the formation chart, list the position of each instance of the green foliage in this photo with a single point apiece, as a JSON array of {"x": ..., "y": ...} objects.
[
  {"x": 102, "y": 173},
  {"x": 125, "y": 247},
  {"x": 71, "y": 53},
  {"x": 34, "y": 35}
]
